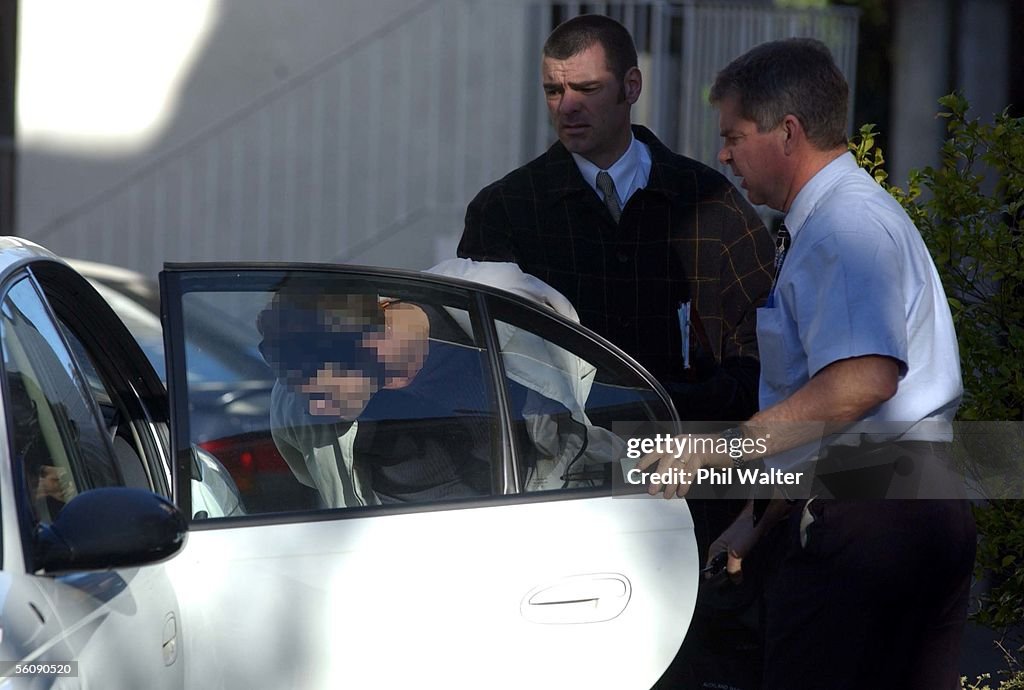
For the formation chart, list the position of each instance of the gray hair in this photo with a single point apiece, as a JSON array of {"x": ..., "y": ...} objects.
[{"x": 795, "y": 76}]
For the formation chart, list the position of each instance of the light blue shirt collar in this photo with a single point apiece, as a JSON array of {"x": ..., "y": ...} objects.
[
  {"x": 630, "y": 173},
  {"x": 808, "y": 198}
]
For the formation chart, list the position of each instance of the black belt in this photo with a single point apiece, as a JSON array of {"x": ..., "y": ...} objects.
[{"x": 867, "y": 470}]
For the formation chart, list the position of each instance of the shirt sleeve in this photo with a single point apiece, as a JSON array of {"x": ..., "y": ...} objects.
[
  {"x": 284, "y": 434},
  {"x": 850, "y": 300}
]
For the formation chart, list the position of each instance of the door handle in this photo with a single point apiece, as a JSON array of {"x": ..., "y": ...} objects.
[
  {"x": 577, "y": 599},
  {"x": 170, "y": 640}
]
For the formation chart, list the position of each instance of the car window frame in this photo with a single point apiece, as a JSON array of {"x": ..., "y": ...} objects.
[
  {"x": 28, "y": 521},
  {"x": 177, "y": 280},
  {"x": 508, "y": 487},
  {"x": 119, "y": 360}
]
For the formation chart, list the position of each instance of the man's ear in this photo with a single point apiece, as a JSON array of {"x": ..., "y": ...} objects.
[
  {"x": 632, "y": 84},
  {"x": 793, "y": 133}
]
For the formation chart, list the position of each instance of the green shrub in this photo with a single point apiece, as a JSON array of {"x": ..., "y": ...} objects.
[
  {"x": 1012, "y": 682},
  {"x": 969, "y": 209}
]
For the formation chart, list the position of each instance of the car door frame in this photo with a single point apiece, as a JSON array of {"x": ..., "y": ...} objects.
[
  {"x": 554, "y": 549},
  {"x": 508, "y": 479}
]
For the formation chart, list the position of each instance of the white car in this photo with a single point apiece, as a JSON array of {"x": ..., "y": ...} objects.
[{"x": 475, "y": 534}]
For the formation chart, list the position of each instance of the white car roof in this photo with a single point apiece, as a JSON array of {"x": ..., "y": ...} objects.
[{"x": 16, "y": 250}]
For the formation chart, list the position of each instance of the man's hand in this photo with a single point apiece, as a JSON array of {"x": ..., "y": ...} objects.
[
  {"x": 736, "y": 542},
  {"x": 55, "y": 483},
  {"x": 676, "y": 469},
  {"x": 338, "y": 392},
  {"x": 742, "y": 535}
]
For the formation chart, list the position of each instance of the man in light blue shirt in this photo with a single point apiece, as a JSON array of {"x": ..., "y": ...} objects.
[
  {"x": 858, "y": 282},
  {"x": 857, "y": 339}
]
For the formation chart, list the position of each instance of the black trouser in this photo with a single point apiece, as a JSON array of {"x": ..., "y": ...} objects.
[{"x": 875, "y": 596}]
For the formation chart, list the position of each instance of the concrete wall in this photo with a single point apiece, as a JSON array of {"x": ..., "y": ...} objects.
[
  {"x": 330, "y": 131},
  {"x": 942, "y": 45},
  {"x": 249, "y": 49}
]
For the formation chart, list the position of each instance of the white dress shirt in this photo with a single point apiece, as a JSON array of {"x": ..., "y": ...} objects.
[{"x": 630, "y": 173}]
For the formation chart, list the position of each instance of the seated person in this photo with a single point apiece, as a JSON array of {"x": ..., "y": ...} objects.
[
  {"x": 366, "y": 408},
  {"x": 49, "y": 486}
]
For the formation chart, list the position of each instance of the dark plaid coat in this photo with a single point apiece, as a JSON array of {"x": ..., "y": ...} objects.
[{"x": 689, "y": 235}]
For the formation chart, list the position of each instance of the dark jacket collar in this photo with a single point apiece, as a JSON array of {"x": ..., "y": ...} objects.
[{"x": 565, "y": 178}]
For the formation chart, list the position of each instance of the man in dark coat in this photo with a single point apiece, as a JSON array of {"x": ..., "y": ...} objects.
[
  {"x": 661, "y": 240},
  {"x": 641, "y": 241}
]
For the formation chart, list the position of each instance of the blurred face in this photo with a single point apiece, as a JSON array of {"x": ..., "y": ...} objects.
[
  {"x": 589, "y": 106},
  {"x": 757, "y": 158},
  {"x": 336, "y": 390},
  {"x": 402, "y": 347}
]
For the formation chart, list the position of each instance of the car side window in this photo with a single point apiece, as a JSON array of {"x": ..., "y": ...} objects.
[
  {"x": 59, "y": 445},
  {"x": 338, "y": 393},
  {"x": 115, "y": 417},
  {"x": 571, "y": 401}
]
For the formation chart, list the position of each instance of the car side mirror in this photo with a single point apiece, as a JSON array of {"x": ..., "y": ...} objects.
[{"x": 113, "y": 527}]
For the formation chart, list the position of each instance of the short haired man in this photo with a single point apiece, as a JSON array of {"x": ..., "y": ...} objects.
[
  {"x": 638, "y": 238},
  {"x": 868, "y": 593},
  {"x": 663, "y": 232}
]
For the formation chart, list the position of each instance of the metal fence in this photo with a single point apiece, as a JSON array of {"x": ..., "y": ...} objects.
[
  {"x": 371, "y": 155},
  {"x": 682, "y": 45}
]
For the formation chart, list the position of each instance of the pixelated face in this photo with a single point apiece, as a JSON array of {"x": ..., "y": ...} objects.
[
  {"x": 337, "y": 370},
  {"x": 388, "y": 358},
  {"x": 334, "y": 391},
  {"x": 402, "y": 347},
  {"x": 589, "y": 106}
]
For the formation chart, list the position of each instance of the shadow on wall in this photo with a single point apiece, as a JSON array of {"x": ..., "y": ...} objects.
[{"x": 290, "y": 138}]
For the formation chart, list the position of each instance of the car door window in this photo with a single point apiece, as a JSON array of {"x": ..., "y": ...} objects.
[
  {"x": 355, "y": 394},
  {"x": 383, "y": 391},
  {"x": 573, "y": 402},
  {"x": 60, "y": 447}
]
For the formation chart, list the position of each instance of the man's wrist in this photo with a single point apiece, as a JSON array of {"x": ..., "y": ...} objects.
[{"x": 735, "y": 437}]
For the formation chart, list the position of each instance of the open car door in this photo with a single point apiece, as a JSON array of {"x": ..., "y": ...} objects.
[{"x": 427, "y": 475}]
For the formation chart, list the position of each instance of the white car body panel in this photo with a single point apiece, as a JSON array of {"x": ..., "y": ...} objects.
[
  {"x": 116, "y": 623},
  {"x": 111, "y": 623},
  {"x": 356, "y": 602}
]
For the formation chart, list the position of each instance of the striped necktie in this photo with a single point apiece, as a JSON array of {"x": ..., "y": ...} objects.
[{"x": 611, "y": 199}]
